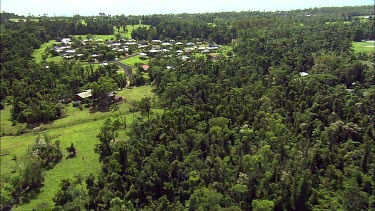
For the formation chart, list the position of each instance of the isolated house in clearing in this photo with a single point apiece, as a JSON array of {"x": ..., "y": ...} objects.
[{"x": 84, "y": 95}]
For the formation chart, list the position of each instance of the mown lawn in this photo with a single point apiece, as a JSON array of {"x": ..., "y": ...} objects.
[
  {"x": 132, "y": 61},
  {"x": 364, "y": 47},
  {"x": 78, "y": 127}
]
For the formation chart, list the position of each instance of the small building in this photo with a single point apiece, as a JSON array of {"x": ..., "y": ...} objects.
[
  {"x": 66, "y": 40},
  {"x": 84, "y": 95},
  {"x": 130, "y": 43},
  {"x": 145, "y": 67},
  {"x": 155, "y": 41},
  {"x": 166, "y": 44},
  {"x": 184, "y": 57},
  {"x": 70, "y": 51},
  {"x": 303, "y": 74},
  {"x": 206, "y": 51},
  {"x": 153, "y": 51}
]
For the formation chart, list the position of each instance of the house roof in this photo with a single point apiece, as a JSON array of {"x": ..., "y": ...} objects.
[
  {"x": 145, "y": 67},
  {"x": 303, "y": 74},
  {"x": 85, "y": 94}
]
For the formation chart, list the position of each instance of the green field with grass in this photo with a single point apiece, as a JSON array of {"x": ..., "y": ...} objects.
[
  {"x": 97, "y": 36},
  {"x": 364, "y": 47},
  {"x": 124, "y": 34},
  {"x": 130, "y": 28},
  {"x": 78, "y": 127},
  {"x": 38, "y": 53},
  {"x": 132, "y": 61}
]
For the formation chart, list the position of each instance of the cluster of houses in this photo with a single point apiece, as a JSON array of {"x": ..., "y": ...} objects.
[
  {"x": 180, "y": 48},
  {"x": 146, "y": 49}
]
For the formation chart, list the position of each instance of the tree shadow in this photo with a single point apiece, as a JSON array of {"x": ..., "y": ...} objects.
[{"x": 70, "y": 156}]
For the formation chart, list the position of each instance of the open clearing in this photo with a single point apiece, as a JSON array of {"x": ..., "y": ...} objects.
[
  {"x": 364, "y": 47},
  {"x": 38, "y": 53},
  {"x": 130, "y": 28},
  {"x": 124, "y": 34},
  {"x": 78, "y": 127},
  {"x": 97, "y": 36},
  {"x": 132, "y": 61}
]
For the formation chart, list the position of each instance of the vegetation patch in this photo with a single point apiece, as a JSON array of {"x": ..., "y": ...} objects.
[
  {"x": 132, "y": 61},
  {"x": 41, "y": 53},
  {"x": 364, "y": 47}
]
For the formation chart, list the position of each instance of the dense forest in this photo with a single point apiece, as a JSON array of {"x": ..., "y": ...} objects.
[{"x": 285, "y": 121}]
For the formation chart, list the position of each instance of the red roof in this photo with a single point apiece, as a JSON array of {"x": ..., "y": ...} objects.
[{"x": 145, "y": 67}]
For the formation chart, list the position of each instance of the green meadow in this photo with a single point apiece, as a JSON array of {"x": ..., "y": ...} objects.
[
  {"x": 127, "y": 34},
  {"x": 124, "y": 33},
  {"x": 38, "y": 53},
  {"x": 97, "y": 36},
  {"x": 132, "y": 61},
  {"x": 364, "y": 47},
  {"x": 79, "y": 127}
]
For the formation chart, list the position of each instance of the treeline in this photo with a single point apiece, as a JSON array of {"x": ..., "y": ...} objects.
[{"x": 248, "y": 132}]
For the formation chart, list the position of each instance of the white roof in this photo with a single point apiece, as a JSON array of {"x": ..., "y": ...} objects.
[
  {"x": 65, "y": 40},
  {"x": 71, "y": 51},
  {"x": 166, "y": 43},
  {"x": 130, "y": 43},
  {"x": 143, "y": 54},
  {"x": 179, "y": 43},
  {"x": 153, "y": 51},
  {"x": 303, "y": 74},
  {"x": 85, "y": 94}
]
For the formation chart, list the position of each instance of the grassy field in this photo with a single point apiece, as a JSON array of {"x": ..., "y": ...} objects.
[
  {"x": 37, "y": 54},
  {"x": 78, "y": 127},
  {"x": 134, "y": 60},
  {"x": 97, "y": 36},
  {"x": 126, "y": 35},
  {"x": 130, "y": 28},
  {"x": 6, "y": 125},
  {"x": 364, "y": 47}
]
